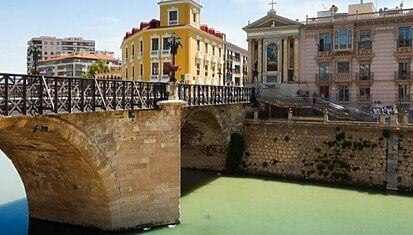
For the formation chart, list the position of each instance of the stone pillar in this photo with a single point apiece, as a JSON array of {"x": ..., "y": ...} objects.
[
  {"x": 394, "y": 119},
  {"x": 285, "y": 60},
  {"x": 290, "y": 115},
  {"x": 325, "y": 117},
  {"x": 250, "y": 61},
  {"x": 382, "y": 118},
  {"x": 296, "y": 66},
  {"x": 260, "y": 77},
  {"x": 405, "y": 119}
]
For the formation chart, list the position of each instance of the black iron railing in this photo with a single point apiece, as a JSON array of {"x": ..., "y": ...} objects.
[
  {"x": 198, "y": 95},
  {"x": 37, "y": 95}
]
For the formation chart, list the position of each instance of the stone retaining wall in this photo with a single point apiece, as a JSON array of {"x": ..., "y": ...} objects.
[{"x": 360, "y": 155}]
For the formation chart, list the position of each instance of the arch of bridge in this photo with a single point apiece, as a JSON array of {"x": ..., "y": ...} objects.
[{"x": 66, "y": 177}]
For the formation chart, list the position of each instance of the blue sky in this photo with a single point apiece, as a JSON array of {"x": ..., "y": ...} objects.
[{"x": 106, "y": 21}]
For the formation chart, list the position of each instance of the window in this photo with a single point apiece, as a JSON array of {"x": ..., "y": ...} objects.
[
  {"x": 213, "y": 50},
  {"x": 133, "y": 72},
  {"x": 198, "y": 45},
  {"x": 343, "y": 67},
  {"x": 206, "y": 70},
  {"x": 155, "y": 44},
  {"x": 324, "y": 71},
  {"x": 220, "y": 52},
  {"x": 343, "y": 39},
  {"x": 198, "y": 69},
  {"x": 206, "y": 47},
  {"x": 364, "y": 94},
  {"x": 325, "y": 42},
  {"x": 126, "y": 73},
  {"x": 365, "y": 68},
  {"x": 405, "y": 37},
  {"x": 141, "y": 69},
  {"x": 194, "y": 17},
  {"x": 173, "y": 17},
  {"x": 126, "y": 53},
  {"x": 343, "y": 94},
  {"x": 365, "y": 39},
  {"x": 404, "y": 93},
  {"x": 272, "y": 58},
  {"x": 133, "y": 50},
  {"x": 166, "y": 68},
  {"x": 213, "y": 71},
  {"x": 166, "y": 44},
  {"x": 141, "y": 46},
  {"x": 155, "y": 69},
  {"x": 404, "y": 70}
]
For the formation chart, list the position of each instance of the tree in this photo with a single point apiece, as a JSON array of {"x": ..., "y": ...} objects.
[{"x": 97, "y": 67}]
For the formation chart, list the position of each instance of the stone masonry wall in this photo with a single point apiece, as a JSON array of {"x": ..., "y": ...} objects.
[
  {"x": 109, "y": 170},
  {"x": 355, "y": 155}
]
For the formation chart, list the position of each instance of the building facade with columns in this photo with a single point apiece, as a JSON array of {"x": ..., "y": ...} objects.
[{"x": 361, "y": 58}]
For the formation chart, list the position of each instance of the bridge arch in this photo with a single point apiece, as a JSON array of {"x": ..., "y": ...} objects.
[
  {"x": 204, "y": 138},
  {"x": 66, "y": 177}
]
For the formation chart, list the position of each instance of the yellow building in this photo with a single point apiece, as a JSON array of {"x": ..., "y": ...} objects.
[{"x": 146, "y": 53}]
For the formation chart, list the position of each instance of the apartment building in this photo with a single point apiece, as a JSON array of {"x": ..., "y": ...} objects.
[
  {"x": 146, "y": 49},
  {"x": 51, "y": 46},
  {"x": 77, "y": 63},
  {"x": 236, "y": 65},
  {"x": 361, "y": 58}
]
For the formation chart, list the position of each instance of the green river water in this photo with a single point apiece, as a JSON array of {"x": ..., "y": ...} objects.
[{"x": 212, "y": 204}]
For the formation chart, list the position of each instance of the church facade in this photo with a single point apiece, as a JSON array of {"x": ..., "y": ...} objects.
[{"x": 362, "y": 58}]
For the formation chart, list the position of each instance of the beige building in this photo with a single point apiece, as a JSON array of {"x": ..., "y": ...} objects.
[
  {"x": 51, "y": 46},
  {"x": 236, "y": 65},
  {"x": 75, "y": 64},
  {"x": 362, "y": 58}
]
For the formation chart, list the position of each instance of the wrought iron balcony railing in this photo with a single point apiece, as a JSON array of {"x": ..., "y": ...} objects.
[
  {"x": 368, "y": 76},
  {"x": 324, "y": 77},
  {"x": 403, "y": 76}
]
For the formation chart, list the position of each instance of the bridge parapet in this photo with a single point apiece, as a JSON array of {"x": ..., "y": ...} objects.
[{"x": 38, "y": 95}]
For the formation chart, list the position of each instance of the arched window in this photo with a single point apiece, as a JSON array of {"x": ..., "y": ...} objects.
[
  {"x": 343, "y": 39},
  {"x": 272, "y": 58}
]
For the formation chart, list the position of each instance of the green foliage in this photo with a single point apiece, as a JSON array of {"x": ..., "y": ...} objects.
[
  {"x": 236, "y": 150},
  {"x": 97, "y": 67}
]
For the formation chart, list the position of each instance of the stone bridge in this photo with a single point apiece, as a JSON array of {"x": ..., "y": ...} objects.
[{"x": 83, "y": 165}]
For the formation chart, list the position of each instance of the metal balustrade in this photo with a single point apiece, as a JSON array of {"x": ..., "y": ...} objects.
[
  {"x": 199, "y": 95},
  {"x": 38, "y": 95}
]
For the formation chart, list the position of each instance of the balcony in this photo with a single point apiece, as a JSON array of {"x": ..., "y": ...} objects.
[
  {"x": 154, "y": 53},
  {"x": 207, "y": 57},
  {"x": 403, "y": 77},
  {"x": 199, "y": 55},
  {"x": 364, "y": 50},
  {"x": 343, "y": 77},
  {"x": 404, "y": 49},
  {"x": 166, "y": 53},
  {"x": 324, "y": 78},
  {"x": 364, "y": 98},
  {"x": 155, "y": 77},
  {"x": 343, "y": 99},
  {"x": 165, "y": 78},
  {"x": 324, "y": 54},
  {"x": 404, "y": 98},
  {"x": 364, "y": 78}
]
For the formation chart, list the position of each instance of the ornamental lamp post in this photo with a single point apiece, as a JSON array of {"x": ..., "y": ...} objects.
[{"x": 174, "y": 44}]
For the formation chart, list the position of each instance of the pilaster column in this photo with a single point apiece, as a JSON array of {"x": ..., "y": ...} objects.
[
  {"x": 250, "y": 60},
  {"x": 285, "y": 60},
  {"x": 296, "y": 66},
  {"x": 260, "y": 78}
]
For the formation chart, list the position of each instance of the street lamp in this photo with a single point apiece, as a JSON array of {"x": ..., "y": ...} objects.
[
  {"x": 174, "y": 44},
  {"x": 34, "y": 51}
]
